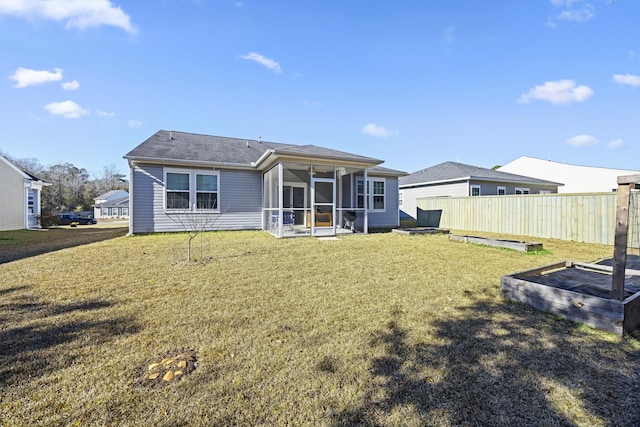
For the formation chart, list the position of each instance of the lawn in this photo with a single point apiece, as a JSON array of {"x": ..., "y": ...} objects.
[{"x": 380, "y": 329}]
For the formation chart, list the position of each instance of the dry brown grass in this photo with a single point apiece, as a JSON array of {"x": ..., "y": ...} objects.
[{"x": 377, "y": 329}]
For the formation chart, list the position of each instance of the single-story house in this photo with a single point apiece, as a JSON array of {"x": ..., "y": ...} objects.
[
  {"x": 19, "y": 197},
  {"x": 180, "y": 180},
  {"x": 451, "y": 179},
  {"x": 112, "y": 204},
  {"x": 576, "y": 179}
]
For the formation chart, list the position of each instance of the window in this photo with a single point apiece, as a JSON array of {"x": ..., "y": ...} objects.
[
  {"x": 31, "y": 201},
  {"x": 401, "y": 199},
  {"x": 191, "y": 190},
  {"x": 545, "y": 192},
  {"x": 520, "y": 190},
  {"x": 375, "y": 193},
  {"x": 475, "y": 190},
  {"x": 125, "y": 211},
  {"x": 206, "y": 191},
  {"x": 502, "y": 191},
  {"x": 177, "y": 190},
  {"x": 114, "y": 211},
  {"x": 105, "y": 211}
]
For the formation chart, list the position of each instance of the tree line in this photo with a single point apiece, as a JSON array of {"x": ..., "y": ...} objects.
[{"x": 72, "y": 188}]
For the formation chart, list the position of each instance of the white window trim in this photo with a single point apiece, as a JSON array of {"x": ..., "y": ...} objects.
[
  {"x": 522, "y": 190},
  {"x": 369, "y": 188},
  {"x": 192, "y": 190},
  {"x": 503, "y": 189},
  {"x": 474, "y": 186}
]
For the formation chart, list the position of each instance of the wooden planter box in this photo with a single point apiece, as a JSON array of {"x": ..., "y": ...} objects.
[
  {"x": 511, "y": 244},
  {"x": 579, "y": 292},
  {"x": 421, "y": 230}
]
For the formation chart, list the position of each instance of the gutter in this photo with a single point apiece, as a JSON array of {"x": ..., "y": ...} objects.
[
  {"x": 230, "y": 165},
  {"x": 263, "y": 157}
]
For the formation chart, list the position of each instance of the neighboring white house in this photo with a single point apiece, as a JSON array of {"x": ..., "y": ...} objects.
[
  {"x": 576, "y": 179},
  {"x": 112, "y": 204},
  {"x": 19, "y": 197}
]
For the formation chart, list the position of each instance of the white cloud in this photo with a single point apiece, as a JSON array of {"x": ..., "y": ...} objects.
[
  {"x": 267, "y": 62},
  {"x": 373, "y": 129},
  {"x": 134, "y": 123},
  {"x": 558, "y": 92},
  {"x": 26, "y": 77},
  {"x": 581, "y": 12},
  {"x": 101, "y": 113},
  {"x": 80, "y": 14},
  {"x": 582, "y": 141},
  {"x": 74, "y": 85},
  {"x": 313, "y": 104},
  {"x": 616, "y": 144},
  {"x": 634, "y": 54},
  {"x": 627, "y": 79},
  {"x": 66, "y": 109}
]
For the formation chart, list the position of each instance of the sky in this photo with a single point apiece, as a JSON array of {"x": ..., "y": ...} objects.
[{"x": 413, "y": 83}]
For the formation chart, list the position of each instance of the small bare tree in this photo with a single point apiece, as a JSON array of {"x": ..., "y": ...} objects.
[{"x": 193, "y": 224}]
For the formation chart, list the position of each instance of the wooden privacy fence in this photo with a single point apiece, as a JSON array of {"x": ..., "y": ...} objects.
[{"x": 586, "y": 217}]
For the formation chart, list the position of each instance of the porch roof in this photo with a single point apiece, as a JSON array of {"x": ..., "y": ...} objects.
[{"x": 170, "y": 147}]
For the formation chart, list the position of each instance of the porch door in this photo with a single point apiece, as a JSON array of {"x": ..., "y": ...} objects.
[{"x": 322, "y": 217}]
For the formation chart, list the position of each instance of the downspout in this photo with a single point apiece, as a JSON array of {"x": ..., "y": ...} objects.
[
  {"x": 280, "y": 199},
  {"x": 131, "y": 166}
]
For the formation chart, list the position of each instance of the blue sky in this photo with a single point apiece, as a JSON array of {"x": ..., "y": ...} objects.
[{"x": 414, "y": 83}]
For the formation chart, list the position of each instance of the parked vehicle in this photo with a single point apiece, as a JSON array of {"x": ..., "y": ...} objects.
[{"x": 68, "y": 219}]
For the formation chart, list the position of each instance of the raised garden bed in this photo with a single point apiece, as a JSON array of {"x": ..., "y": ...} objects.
[
  {"x": 511, "y": 244},
  {"x": 421, "y": 230},
  {"x": 580, "y": 292}
]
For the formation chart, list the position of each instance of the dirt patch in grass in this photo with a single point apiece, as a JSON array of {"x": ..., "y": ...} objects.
[{"x": 15, "y": 245}]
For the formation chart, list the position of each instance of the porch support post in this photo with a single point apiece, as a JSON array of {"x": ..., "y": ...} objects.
[
  {"x": 366, "y": 203},
  {"x": 25, "y": 206},
  {"x": 280, "y": 197},
  {"x": 625, "y": 185}
]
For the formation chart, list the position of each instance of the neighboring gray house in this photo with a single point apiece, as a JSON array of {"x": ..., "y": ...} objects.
[
  {"x": 456, "y": 179},
  {"x": 112, "y": 204},
  {"x": 19, "y": 197},
  {"x": 242, "y": 184}
]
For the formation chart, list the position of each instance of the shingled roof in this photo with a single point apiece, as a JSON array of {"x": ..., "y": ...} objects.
[
  {"x": 181, "y": 147},
  {"x": 452, "y": 171}
]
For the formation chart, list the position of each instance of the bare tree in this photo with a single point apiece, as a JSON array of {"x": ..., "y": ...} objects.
[{"x": 193, "y": 224}]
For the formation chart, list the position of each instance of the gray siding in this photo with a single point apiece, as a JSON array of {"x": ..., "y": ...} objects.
[
  {"x": 240, "y": 200},
  {"x": 409, "y": 203},
  {"x": 388, "y": 218}
]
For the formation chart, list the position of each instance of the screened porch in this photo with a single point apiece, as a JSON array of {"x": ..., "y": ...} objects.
[{"x": 316, "y": 200}]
